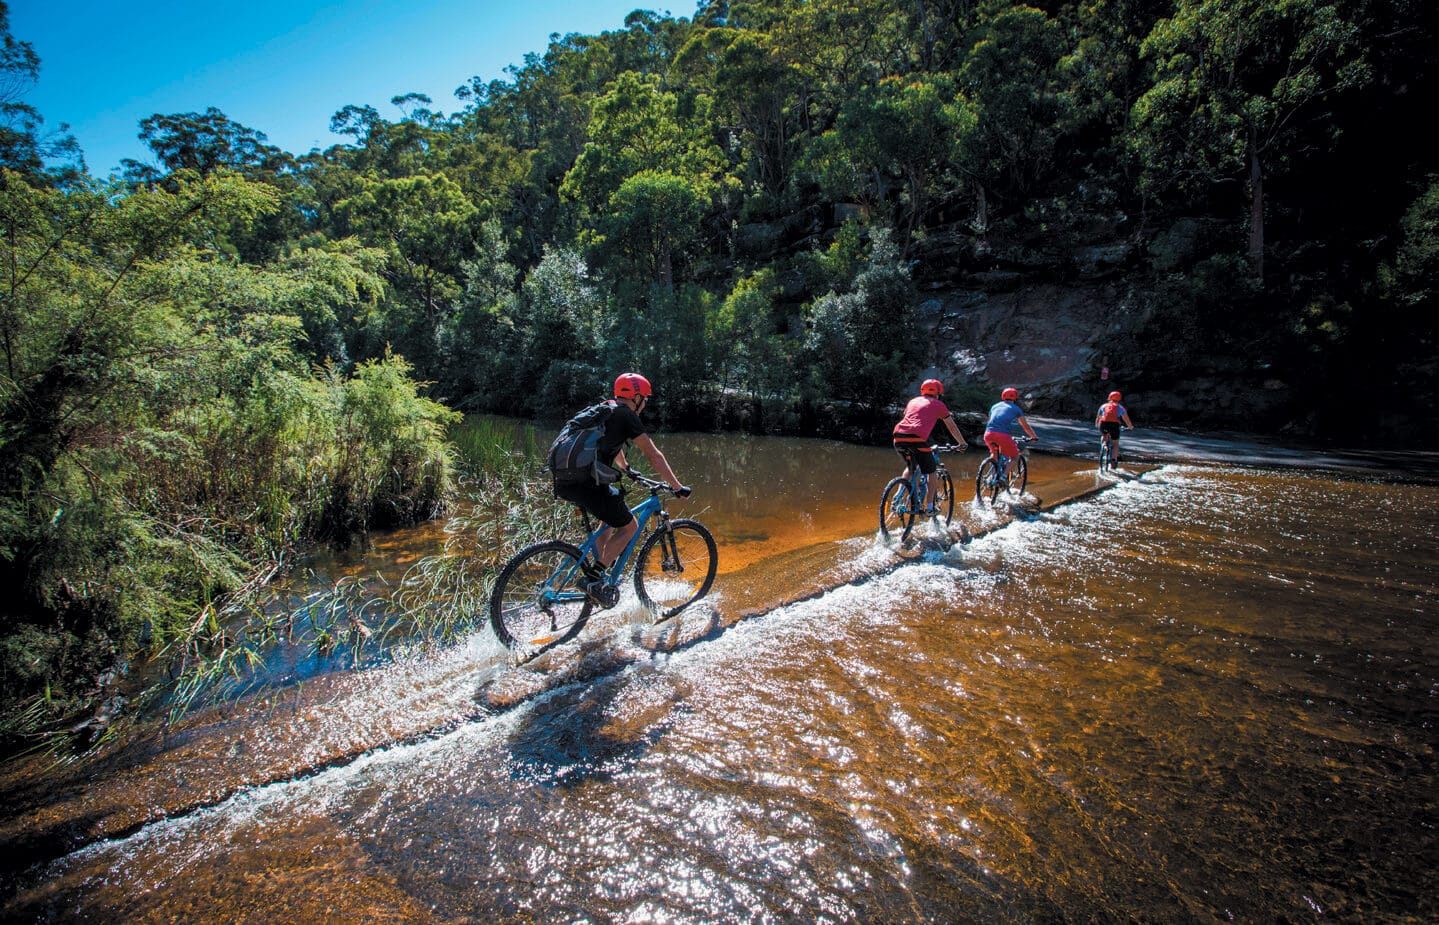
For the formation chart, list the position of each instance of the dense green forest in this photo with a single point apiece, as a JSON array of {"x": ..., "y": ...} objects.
[{"x": 235, "y": 349}]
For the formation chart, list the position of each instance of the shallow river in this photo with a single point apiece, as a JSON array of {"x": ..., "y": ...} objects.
[{"x": 1205, "y": 694}]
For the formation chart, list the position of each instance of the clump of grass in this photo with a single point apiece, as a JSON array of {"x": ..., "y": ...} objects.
[{"x": 505, "y": 502}]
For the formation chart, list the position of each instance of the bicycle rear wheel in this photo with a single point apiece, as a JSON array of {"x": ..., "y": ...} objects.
[
  {"x": 1106, "y": 455},
  {"x": 896, "y": 509},
  {"x": 1018, "y": 476},
  {"x": 537, "y": 600},
  {"x": 676, "y": 567},
  {"x": 986, "y": 485}
]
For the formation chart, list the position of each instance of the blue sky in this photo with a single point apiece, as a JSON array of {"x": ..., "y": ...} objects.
[{"x": 282, "y": 68}]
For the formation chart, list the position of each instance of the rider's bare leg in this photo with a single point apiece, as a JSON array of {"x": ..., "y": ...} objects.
[{"x": 613, "y": 542}]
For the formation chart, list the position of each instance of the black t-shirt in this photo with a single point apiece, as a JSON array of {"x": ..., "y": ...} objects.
[{"x": 622, "y": 426}]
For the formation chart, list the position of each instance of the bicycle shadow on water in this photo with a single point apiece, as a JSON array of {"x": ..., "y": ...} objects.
[
  {"x": 586, "y": 732},
  {"x": 613, "y": 641},
  {"x": 590, "y": 715}
]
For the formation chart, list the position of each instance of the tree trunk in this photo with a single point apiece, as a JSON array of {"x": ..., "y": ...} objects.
[
  {"x": 927, "y": 59},
  {"x": 665, "y": 265},
  {"x": 1256, "y": 210}
]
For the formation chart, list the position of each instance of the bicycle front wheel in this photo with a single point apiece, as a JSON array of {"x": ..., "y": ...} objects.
[
  {"x": 1018, "y": 476},
  {"x": 986, "y": 484},
  {"x": 896, "y": 510},
  {"x": 944, "y": 498},
  {"x": 676, "y": 567},
  {"x": 537, "y": 600}
]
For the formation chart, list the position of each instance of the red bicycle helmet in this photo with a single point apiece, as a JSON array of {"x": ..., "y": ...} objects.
[
  {"x": 1114, "y": 396},
  {"x": 628, "y": 385},
  {"x": 931, "y": 387},
  {"x": 1009, "y": 395}
]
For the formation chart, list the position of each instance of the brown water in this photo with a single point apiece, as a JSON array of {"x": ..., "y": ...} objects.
[{"x": 1208, "y": 694}]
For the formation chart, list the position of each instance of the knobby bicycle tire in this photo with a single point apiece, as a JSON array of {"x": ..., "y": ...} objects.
[
  {"x": 986, "y": 486},
  {"x": 1018, "y": 476},
  {"x": 944, "y": 498},
  {"x": 1106, "y": 455},
  {"x": 537, "y": 601},
  {"x": 676, "y": 567},
  {"x": 896, "y": 509}
]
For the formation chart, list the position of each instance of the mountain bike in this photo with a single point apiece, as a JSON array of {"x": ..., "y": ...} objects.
[
  {"x": 990, "y": 480},
  {"x": 900, "y": 503},
  {"x": 546, "y": 593},
  {"x": 1106, "y": 453}
]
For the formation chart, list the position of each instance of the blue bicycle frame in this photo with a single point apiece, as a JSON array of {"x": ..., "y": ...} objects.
[
  {"x": 919, "y": 481},
  {"x": 642, "y": 513}
]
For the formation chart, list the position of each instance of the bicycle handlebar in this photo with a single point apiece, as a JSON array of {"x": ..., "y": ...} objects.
[{"x": 657, "y": 485}]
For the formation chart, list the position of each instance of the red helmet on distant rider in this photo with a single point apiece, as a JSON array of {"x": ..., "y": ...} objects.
[
  {"x": 1114, "y": 396},
  {"x": 932, "y": 387},
  {"x": 628, "y": 385},
  {"x": 1009, "y": 395}
]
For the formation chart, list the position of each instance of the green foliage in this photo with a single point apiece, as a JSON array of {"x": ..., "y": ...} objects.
[
  {"x": 1241, "y": 80},
  {"x": 754, "y": 359},
  {"x": 863, "y": 344},
  {"x": 1011, "y": 78},
  {"x": 903, "y": 132},
  {"x": 1413, "y": 278},
  {"x": 160, "y": 435},
  {"x": 24, "y": 147},
  {"x": 653, "y": 218}
]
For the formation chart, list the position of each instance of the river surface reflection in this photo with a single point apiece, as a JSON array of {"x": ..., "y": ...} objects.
[
  {"x": 1208, "y": 694},
  {"x": 761, "y": 496}
]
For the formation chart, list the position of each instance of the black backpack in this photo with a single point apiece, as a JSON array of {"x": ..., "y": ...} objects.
[{"x": 574, "y": 457}]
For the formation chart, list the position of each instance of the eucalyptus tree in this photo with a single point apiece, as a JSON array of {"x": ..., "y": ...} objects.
[
  {"x": 1010, "y": 76},
  {"x": 1105, "y": 75},
  {"x": 24, "y": 145},
  {"x": 759, "y": 96},
  {"x": 1242, "y": 89},
  {"x": 427, "y": 226},
  {"x": 752, "y": 357},
  {"x": 862, "y": 345},
  {"x": 204, "y": 142},
  {"x": 902, "y": 134},
  {"x": 644, "y": 150}
]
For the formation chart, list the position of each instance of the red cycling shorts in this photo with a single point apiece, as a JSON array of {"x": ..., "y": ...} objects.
[{"x": 1001, "y": 442}]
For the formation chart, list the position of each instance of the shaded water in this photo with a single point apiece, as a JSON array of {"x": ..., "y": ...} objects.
[{"x": 1206, "y": 695}]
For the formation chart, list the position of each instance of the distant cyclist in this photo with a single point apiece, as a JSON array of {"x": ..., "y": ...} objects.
[
  {"x": 1108, "y": 418},
  {"x": 632, "y": 393},
  {"x": 911, "y": 434},
  {"x": 1004, "y": 414}
]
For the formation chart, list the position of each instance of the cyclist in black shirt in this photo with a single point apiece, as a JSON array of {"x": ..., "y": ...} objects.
[{"x": 632, "y": 393}]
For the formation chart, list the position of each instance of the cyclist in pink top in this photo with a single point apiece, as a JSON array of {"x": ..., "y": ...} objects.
[{"x": 911, "y": 434}]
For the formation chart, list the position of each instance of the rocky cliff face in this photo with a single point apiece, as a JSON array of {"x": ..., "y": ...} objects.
[{"x": 1065, "y": 346}]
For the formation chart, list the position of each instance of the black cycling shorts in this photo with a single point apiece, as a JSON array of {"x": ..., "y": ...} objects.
[
  {"x": 922, "y": 453},
  {"x": 1111, "y": 428},
  {"x": 603, "y": 501}
]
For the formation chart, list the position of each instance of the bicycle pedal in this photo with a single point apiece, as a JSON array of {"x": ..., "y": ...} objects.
[{"x": 602, "y": 593}]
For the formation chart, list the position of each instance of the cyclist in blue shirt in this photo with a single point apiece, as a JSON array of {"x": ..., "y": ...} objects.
[{"x": 1002, "y": 417}]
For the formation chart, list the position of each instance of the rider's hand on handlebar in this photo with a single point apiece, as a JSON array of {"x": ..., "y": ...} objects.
[{"x": 682, "y": 492}]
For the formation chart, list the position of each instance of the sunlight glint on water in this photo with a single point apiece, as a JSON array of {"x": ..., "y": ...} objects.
[{"x": 1204, "y": 695}]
